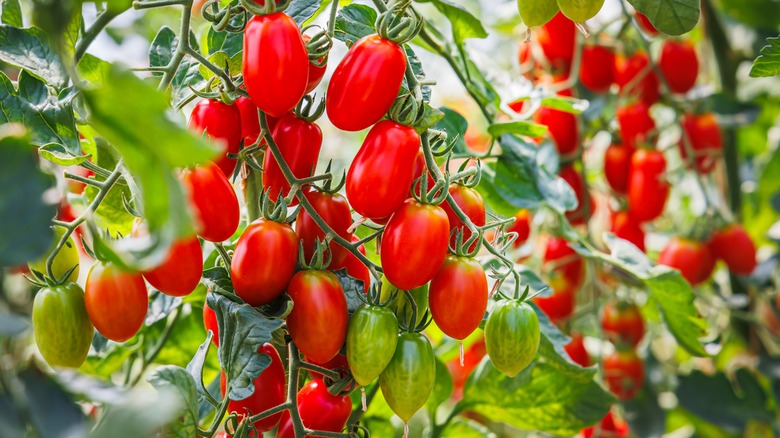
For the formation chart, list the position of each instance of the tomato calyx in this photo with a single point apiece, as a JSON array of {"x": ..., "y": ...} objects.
[
  {"x": 318, "y": 46},
  {"x": 399, "y": 24},
  {"x": 408, "y": 324},
  {"x": 265, "y": 7},
  {"x": 407, "y": 110},
  {"x": 307, "y": 111},
  {"x": 320, "y": 259},
  {"x": 430, "y": 196},
  {"x": 275, "y": 211}
]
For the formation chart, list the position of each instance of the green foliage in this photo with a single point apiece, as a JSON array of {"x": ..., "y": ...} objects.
[
  {"x": 464, "y": 24},
  {"x": 768, "y": 63},
  {"x": 672, "y": 17},
  {"x": 180, "y": 383}
]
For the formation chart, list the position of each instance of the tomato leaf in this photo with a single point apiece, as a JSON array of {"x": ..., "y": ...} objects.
[
  {"x": 353, "y": 22},
  {"x": 12, "y": 13},
  {"x": 455, "y": 125},
  {"x": 29, "y": 49},
  {"x": 139, "y": 415},
  {"x": 182, "y": 385},
  {"x": 562, "y": 103},
  {"x": 353, "y": 289},
  {"x": 111, "y": 215},
  {"x": 302, "y": 10},
  {"x": 228, "y": 42},
  {"x": 93, "y": 69},
  {"x": 464, "y": 23},
  {"x": 463, "y": 428},
  {"x": 672, "y": 17},
  {"x": 111, "y": 358},
  {"x": 768, "y": 62},
  {"x": 160, "y": 54},
  {"x": 51, "y": 410},
  {"x": 518, "y": 127}
]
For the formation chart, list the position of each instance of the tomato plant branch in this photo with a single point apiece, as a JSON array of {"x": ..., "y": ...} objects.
[
  {"x": 90, "y": 34},
  {"x": 226, "y": 79},
  {"x": 334, "y": 7},
  {"x": 334, "y": 375},
  {"x": 180, "y": 52},
  {"x": 218, "y": 416}
]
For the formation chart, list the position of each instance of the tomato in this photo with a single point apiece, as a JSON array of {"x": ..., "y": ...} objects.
[
  {"x": 512, "y": 336},
  {"x": 179, "y": 274},
  {"x": 704, "y": 138},
  {"x": 316, "y": 72},
  {"x": 63, "y": 331},
  {"x": 597, "y": 72},
  {"x": 275, "y": 63},
  {"x": 414, "y": 244},
  {"x": 733, "y": 245},
  {"x": 264, "y": 261},
  {"x": 338, "y": 363},
  {"x": 66, "y": 259},
  {"x": 679, "y": 64},
  {"x": 471, "y": 203},
  {"x": 270, "y": 390},
  {"x": 563, "y": 128},
  {"x": 222, "y": 124},
  {"x": 624, "y": 373},
  {"x": 609, "y": 427},
  {"x": 250, "y": 121},
  {"x": 335, "y": 211},
  {"x": 214, "y": 202},
  {"x": 565, "y": 265},
  {"x": 116, "y": 301},
  {"x": 319, "y": 410},
  {"x": 383, "y": 170},
  {"x": 579, "y": 215},
  {"x": 557, "y": 39},
  {"x": 645, "y": 24},
  {"x": 647, "y": 186},
  {"x": 371, "y": 341},
  {"x": 576, "y": 350},
  {"x": 459, "y": 296},
  {"x": 689, "y": 257},
  {"x": 318, "y": 321},
  {"x": 622, "y": 324},
  {"x": 401, "y": 304},
  {"x": 636, "y": 72},
  {"x": 472, "y": 356},
  {"x": 365, "y": 83},
  {"x": 299, "y": 142},
  {"x": 617, "y": 164},
  {"x": 559, "y": 306},
  {"x": 356, "y": 269},
  {"x": 408, "y": 379},
  {"x": 635, "y": 124},
  {"x": 521, "y": 226},
  {"x": 210, "y": 323},
  {"x": 625, "y": 227}
]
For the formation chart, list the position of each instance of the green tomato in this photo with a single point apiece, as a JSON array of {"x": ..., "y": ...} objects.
[
  {"x": 537, "y": 12},
  {"x": 67, "y": 258},
  {"x": 408, "y": 379},
  {"x": 371, "y": 341},
  {"x": 512, "y": 336},
  {"x": 401, "y": 304},
  {"x": 61, "y": 325},
  {"x": 580, "y": 11}
]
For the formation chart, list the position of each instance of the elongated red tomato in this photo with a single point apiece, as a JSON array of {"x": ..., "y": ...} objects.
[
  {"x": 597, "y": 72},
  {"x": 563, "y": 127},
  {"x": 691, "y": 258},
  {"x": 609, "y": 427},
  {"x": 565, "y": 270},
  {"x": 576, "y": 350},
  {"x": 458, "y": 296},
  {"x": 584, "y": 209},
  {"x": 319, "y": 409},
  {"x": 365, "y": 83},
  {"x": 624, "y": 373},
  {"x": 116, "y": 301},
  {"x": 180, "y": 273},
  {"x": 557, "y": 39},
  {"x": 214, "y": 202},
  {"x": 521, "y": 226},
  {"x": 617, "y": 165},
  {"x": 356, "y": 268},
  {"x": 250, "y": 121},
  {"x": 222, "y": 124},
  {"x": 647, "y": 186},
  {"x": 471, "y": 203},
  {"x": 645, "y": 24},
  {"x": 334, "y": 210},
  {"x": 414, "y": 244},
  {"x": 635, "y": 124},
  {"x": 559, "y": 306},
  {"x": 733, "y": 245},
  {"x": 635, "y": 77},
  {"x": 380, "y": 176},
  {"x": 263, "y": 261},
  {"x": 318, "y": 321},
  {"x": 622, "y": 324},
  {"x": 703, "y": 136},
  {"x": 679, "y": 64},
  {"x": 276, "y": 64},
  {"x": 625, "y": 227},
  {"x": 299, "y": 142}
]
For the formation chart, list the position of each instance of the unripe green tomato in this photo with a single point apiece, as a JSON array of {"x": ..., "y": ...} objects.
[
  {"x": 61, "y": 325},
  {"x": 408, "y": 379},
  {"x": 512, "y": 336},
  {"x": 67, "y": 258},
  {"x": 401, "y": 303},
  {"x": 537, "y": 12},
  {"x": 580, "y": 11},
  {"x": 371, "y": 340}
]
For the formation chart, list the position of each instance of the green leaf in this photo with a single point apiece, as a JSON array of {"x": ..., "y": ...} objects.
[
  {"x": 111, "y": 214},
  {"x": 221, "y": 59},
  {"x": 181, "y": 383},
  {"x": 12, "y": 13},
  {"x": 58, "y": 154},
  {"x": 111, "y": 359},
  {"x": 768, "y": 62},
  {"x": 51, "y": 410},
  {"x": 517, "y": 127},
  {"x": 455, "y": 125},
  {"x": 228, "y": 42},
  {"x": 430, "y": 117},
  {"x": 302, "y": 10},
  {"x": 93, "y": 69},
  {"x": 160, "y": 54},
  {"x": 672, "y": 17},
  {"x": 464, "y": 23},
  {"x": 354, "y": 22},
  {"x": 11, "y": 423},
  {"x": 353, "y": 290},
  {"x": 464, "y": 428},
  {"x": 562, "y": 103},
  {"x": 28, "y": 49},
  {"x": 140, "y": 415},
  {"x": 442, "y": 387}
]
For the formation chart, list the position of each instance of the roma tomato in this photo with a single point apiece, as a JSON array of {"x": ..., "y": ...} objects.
[
  {"x": 250, "y": 122},
  {"x": 319, "y": 410},
  {"x": 222, "y": 124},
  {"x": 414, "y": 244},
  {"x": 647, "y": 186},
  {"x": 703, "y": 135},
  {"x": 179, "y": 274},
  {"x": 563, "y": 128},
  {"x": 622, "y": 324},
  {"x": 566, "y": 268},
  {"x": 458, "y": 296},
  {"x": 334, "y": 210},
  {"x": 733, "y": 245},
  {"x": 356, "y": 269},
  {"x": 689, "y": 257},
  {"x": 625, "y": 227},
  {"x": 512, "y": 336},
  {"x": 471, "y": 203},
  {"x": 276, "y": 63},
  {"x": 624, "y": 373},
  {"x": 210, "y": 322},
  {"x": 557, "y": 39},
  {"x": 636, "y": 78},
  {"x": 609, "y": 427},
  {"x": 635, "y": 124},
  {"x": 264, "y": 261},
  {"x": 645, "y": 24},
  {"x": 383, "y": 170},
  {"x": 597, "y": 72},
  {"x": 270, "y": 391},
  {"x": 214, "y": 202},
  {"x": 617, "y": 165},
  {"x": 371, "y": 341},
  {"x": 521, "y": 226},
  {"x": 299, "y": 141},
  {"x": 408, "y": 379},
  {"x": 559, "y": 306},
  {"x": 65, "y": 260},
  {"x": 679, "y": 64},
  {"x": 584, "y": 209},
  {"x": 116, "y": 301},
  {"x": 63, "y": 331},
  {"x": 365, "y": 83},
  {"x": 318, "y": 321},
  {"x": 576, "y": 350}
]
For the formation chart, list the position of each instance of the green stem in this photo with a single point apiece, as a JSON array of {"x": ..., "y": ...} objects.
[
  {"x": 139, "y": 5},
  {"x": 220, "y": 414},
  {"x": 334, "y": 375},
  {"x": 226, "y": 79},
  {"x": 181, "y": 48},
  {"x": 89, "y": 36},
  {"x": 334, "y": 7}
]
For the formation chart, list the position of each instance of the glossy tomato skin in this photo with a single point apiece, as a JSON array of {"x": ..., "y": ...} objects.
[
  {"x": 647, "y": 88},
  {"x": 521, "y": 226},
  {"x": 299, "y": 142},
  {"x": 624, "y": 373},
  {"x": 645, "y": 24},
  {"x": 408, "y": 379},
  {"x": 687, "y": 256},
  {"x": 371, "y": 340},
  {"x": 703, "y": 136},
  {"x": 563, "y": 128},
  {"x": 356, "y": 269},
  {"x": 179, "y": 274},
  {"x": 557, "y": 39},
  {"x": 458, "y": 296},
  {"x": 270, "y": 391},
  {"x": 512, "y": 336},
  {"x": 622, "y": 324},
  {"x": 617, "y": 165},
  {"x": 319, "y": 410},
  {"x": 597, "y": 72},
  {"x": 214, "y": 202},
  {"x": 250, "y": 120},
  {"x": 584, "y": 209},
  {"x": 116, "y": 301},
  {"x": 264, "y": 261},
  {"x": 568, "y": 268},
  {"x": 63, "y": 331},
  {"x": 222, "y": 124},
  {"x": 471, "y": 203},
  {"x": 210, "y": 323},
  {"x": 414, "y": 244},
  {"x": 679, "y": 64},
  {"x": 733, "y": 245},
  {"x": 625, "y": 227},
  {"x": 335, "y": 211},
  {"x": 365, "y": 83},
  {"x": 647, "y": 186},
  {"x": 318, "y": 321},
  {"x": 383, "y": 170},
  {"x": 635, "y": 124},
  {"x": 276, "y": 63},
  {"x": 576, "y": 350}
]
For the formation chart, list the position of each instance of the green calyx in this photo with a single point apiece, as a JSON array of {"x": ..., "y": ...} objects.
[
  {"x": 321, "y": 258},
  {"x": 318, "y": 47},
  {"x": 400, "y": 24},
  {"x": 407, "y": 110},
  {"x": 309, "y": 110},
  {"x": 268, "y": 7}
]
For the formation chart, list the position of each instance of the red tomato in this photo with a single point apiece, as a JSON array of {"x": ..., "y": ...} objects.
[
  {"x": 264, "y": 261},
  {"x": 179, "y": 274},
  {"x": 733, "y": 245},
  {"x": 458, "y": 296},
  {"x": 250, "y": 120},
  {"x": 559, "y": 306},
  {"x": 704, "y": 138},
  {"x": 276, "y": 63},
  {"x": 647, "y": 186},
  {"x": 625, "y": 227},
  {"x": 574, "y": 178},
  {"x": 635, "y": 124},
  {"x": 214, "y": 202},
  {"x": 679, "y": 64},
  {"x": 356, "y": 268},
  {"x": 609, "y": 427},
  {"x": 617, "y": 164},
  {"x": 210, "y": 323},
  {"x": 116, "y": 301},
  {"x": 563, "y": 128},
  {"x": 521, "y": 226},
  {"x": 270, "y": 391},
  {"x": 689, "y": 257},
  {"x": 636, "y": 72},
  {"x": 334, "y": 210},
  {"x": 338, "y": 363},
  {"x": 318, "y": 321},
  {"x": 222, "y": 124},
  {"x": 316, "y": 72},
  {"x": 380, "y": 176},
  {"x": 622, "y": 324},
  {"x": 319, "y": 409},
  {"x": 597, "y": 72},
  {"x": 557, "y": 39},
  {"x": 299, "y": 142},
  {"x": 645, "y": 24},
  {"x": 471, "y": 203},
  {"x": 414, "y": 244},
  {"x": 365, "y": 83},
  {"x": 576, "y": 350},
  {"x": 472, "y": 356},
  {"x": 567, "y": 267},
  {"x": 624, "y": 373}
]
